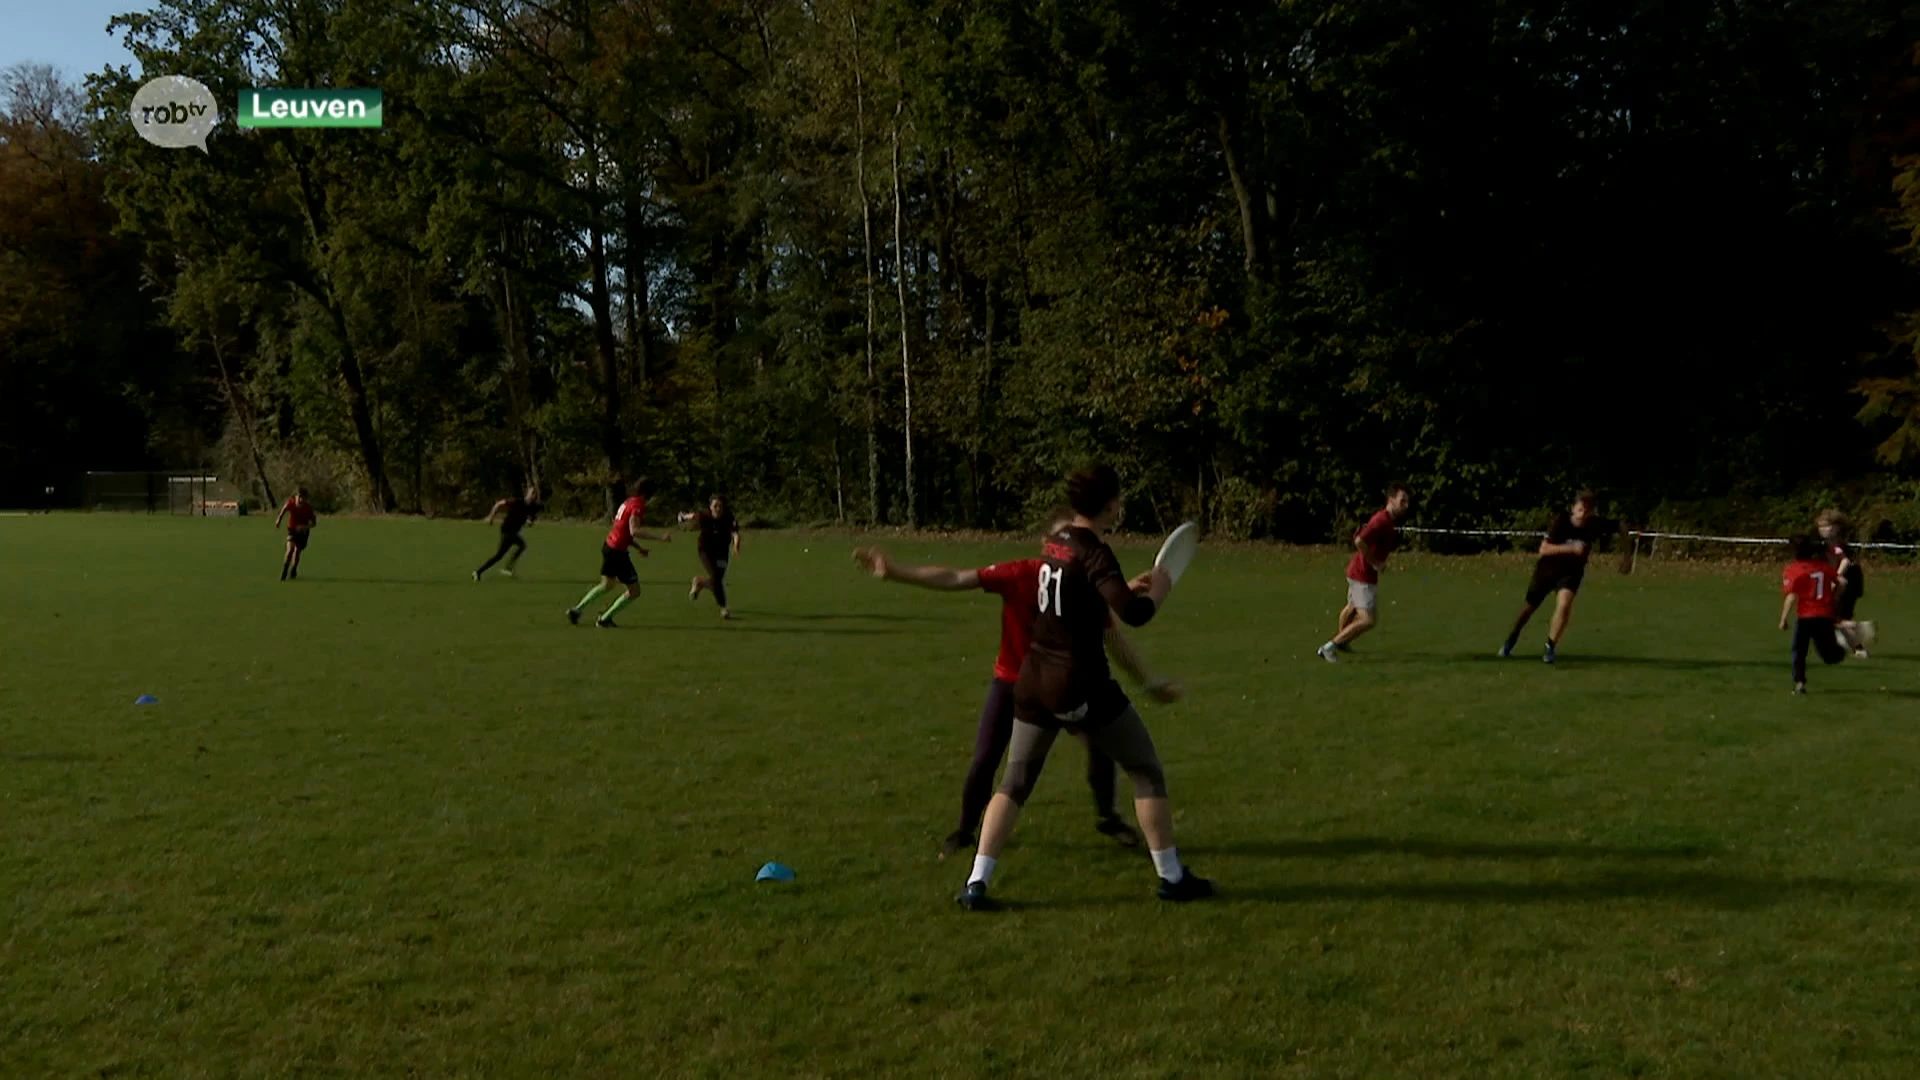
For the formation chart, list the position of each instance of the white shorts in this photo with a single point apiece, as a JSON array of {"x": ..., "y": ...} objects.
[{"x": 1362, "y": 595}]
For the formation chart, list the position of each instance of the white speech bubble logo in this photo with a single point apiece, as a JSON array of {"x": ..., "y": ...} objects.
[{"x": 175, "y": 112}]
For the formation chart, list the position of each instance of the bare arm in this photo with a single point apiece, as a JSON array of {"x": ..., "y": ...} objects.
[
  {"x": 1786, "y": 609},
  {"x": 1123, "y": 652},
  {"x": 280, "y": 517},
  {"x": 736, "y": 540},
  {"x": 495, "y": 512},
  {"x": 937, "y": 578}
]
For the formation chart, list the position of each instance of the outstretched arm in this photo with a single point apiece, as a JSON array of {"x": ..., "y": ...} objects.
[
  {"x": 1123, "y": 652},
  {"x": 938, "y": 578},
  {"x": 498, "y": 508}
]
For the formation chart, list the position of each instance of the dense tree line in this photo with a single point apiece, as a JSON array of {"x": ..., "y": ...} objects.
[{"x": 868, "y": 260}]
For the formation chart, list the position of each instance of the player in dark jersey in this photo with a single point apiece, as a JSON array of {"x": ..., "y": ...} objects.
[
  {"x": 1017, "y": 584},
  {"x": 1853, "y": 582},
  {"x": 1812, "y": 594},
  {"x": 1560, "y": 570},
  {"x": 719, "y": 543},
  {"x": 300, "y": 517},
  {"x": 514, "y": 514},
  {"x": 1065, "y": 683}
]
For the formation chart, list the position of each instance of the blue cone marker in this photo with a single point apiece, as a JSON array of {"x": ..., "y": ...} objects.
[
  {"x": 773, "y": 871},
  {"x": 146, "y": 699}
]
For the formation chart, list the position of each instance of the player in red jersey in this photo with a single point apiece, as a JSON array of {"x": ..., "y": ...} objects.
[
  {"x": 1018, "y": 586},
  {"x": 300, "y": 517},
  {"x": 1812, "y": 592},
  {"x": 1372, "y": 544},
  {"x": 616, "y": 566}
]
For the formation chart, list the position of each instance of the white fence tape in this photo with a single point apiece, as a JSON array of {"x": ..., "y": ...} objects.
[{"x": 1638, "y": 535}]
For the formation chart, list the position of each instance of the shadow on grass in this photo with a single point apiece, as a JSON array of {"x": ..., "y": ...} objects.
[
  {"x": 1702, "y": 890},
  {"x": 1578, "y": 659},
  {"x": 1340, "y": 847},
  {"x": 1723, "y": 891}
]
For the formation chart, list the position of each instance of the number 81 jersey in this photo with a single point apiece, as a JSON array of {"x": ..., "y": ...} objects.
[{"x": 1067, "y": 663}]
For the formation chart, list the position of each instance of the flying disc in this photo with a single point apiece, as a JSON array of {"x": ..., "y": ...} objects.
[{"x": 1178, "y": 551}]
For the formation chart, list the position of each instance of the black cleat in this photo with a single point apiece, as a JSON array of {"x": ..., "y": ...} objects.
[
  {"x": 974, "y": 897},
  {"x": 573, "y": 616},
  {"x": 605, "y": 623},
  {"x": 1191, "y": 886},
  {"x": 1111, "y": 825},
  {"x": 957, "y": 840},
  {"x": 476, "y": 575}
]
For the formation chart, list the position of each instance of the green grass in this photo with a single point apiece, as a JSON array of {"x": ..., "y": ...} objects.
[{"x": 386, "y": 822}]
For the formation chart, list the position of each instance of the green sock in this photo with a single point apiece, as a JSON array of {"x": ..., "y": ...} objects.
[
  {"x": 592, "y": 595},
  {"x": 623, "y": 600}
]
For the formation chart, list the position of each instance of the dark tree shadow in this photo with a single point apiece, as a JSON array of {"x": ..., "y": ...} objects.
[
  {"x": 1719, "y": 891},
  {"x": 1341, "y": 847}
]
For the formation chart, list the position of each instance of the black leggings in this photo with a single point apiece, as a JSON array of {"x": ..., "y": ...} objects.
[
  {"x": 1818, "y": 633},
  {"x": 990, "y": 745},
  {"x": 508, "y": 542},
  {"x": 716, "y": 568}
]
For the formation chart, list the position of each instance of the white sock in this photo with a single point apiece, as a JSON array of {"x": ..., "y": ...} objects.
[
  {"x": 1168, "y": 864},
  {"x": 982, "y": 869}
]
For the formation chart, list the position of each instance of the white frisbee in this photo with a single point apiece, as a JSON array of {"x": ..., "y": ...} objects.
[{"x": 1178, "y": 551}]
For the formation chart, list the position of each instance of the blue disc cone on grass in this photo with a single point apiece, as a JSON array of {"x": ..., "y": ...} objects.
[
  {"x": 774, "y": 871},
  {"x": 146, "y": 699}
]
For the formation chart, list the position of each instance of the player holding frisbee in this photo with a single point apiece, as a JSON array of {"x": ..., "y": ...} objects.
[
  {"x": 1065, "y": 684},
  {"x": 1018, "y": 585}
]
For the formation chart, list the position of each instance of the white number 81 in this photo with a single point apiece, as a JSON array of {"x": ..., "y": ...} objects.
[{"x": 1050, "y": 576}]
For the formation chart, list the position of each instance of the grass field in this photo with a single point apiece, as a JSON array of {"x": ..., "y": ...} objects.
[{"x": 388, "y": 822}]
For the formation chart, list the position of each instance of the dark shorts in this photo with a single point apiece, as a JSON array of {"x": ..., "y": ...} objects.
[
  {"x": 618, "y": 565},
  {"x": 1550, "y": 582},
  {"x": 298, "y": 538},
  {"x": 1052, "y": 697},
  {"x": 1850, "y": 596}
]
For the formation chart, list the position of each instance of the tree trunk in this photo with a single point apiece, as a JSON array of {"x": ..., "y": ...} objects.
[
  {"x": 900, "y": 281},
  {"x": 1250, "y": 230},
  {"x": 639, "y": 309},
  {"x": 866, "y": 222},
  {"x": 519, "y": 391},
  {"x": 246, "y": 420},
  {"x": 612, "y": 448},
  {"x": 321, "y": 289}
]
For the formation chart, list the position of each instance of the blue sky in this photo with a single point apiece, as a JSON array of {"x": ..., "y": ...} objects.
[{"x": 69, "y": 34}]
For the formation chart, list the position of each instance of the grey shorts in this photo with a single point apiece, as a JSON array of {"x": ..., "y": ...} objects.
[{"x": 1124, "y": 739}]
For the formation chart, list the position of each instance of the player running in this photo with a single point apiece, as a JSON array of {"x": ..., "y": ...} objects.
[
  {"x": 1372, "y": 544},
  {"x": 1065, "y": 683},
  {"x": 616, "y": 566},
  {"x": 300, "y": 517},
  {"x": 1561, "y": 569},
  {"x": 1811, "y": 591},
  {"x": 1018, "y": 586},
  {"x": 1853, "y": 582},
  {"x": 514, "y": 515},
  {"x": 719, "y": 543}
]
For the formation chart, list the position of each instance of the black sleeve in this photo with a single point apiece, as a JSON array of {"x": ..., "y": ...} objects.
[
  {"x": 1103, "y": 573},
  {"x": 1559, "y": 528}
]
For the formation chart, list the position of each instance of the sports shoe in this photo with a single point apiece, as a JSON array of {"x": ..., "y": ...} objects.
[
  {"x": 573, "y": 616},
  {"x": 957, "y": 840},
  {"x": 507, "y": 570},
  {"x": 605, "y": 623},
  {"x": 1191, "y": 886},
  {"x": 1111, "y": 825},
  {"x": 974, "y": 897},
  {"x": 1327, "y": 653},
  {"x": 726, "y": 613},
  {"x": 694, "y": 593},
  {"x": 476, "y": 575},
  {"x": 1800, "y": 688},
  {"x": 1549, "y": 655},
  {"x": 1506, "y": 651},
  {"x": 1859, "y": 654}
]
